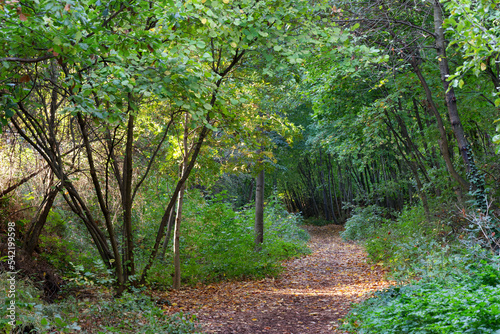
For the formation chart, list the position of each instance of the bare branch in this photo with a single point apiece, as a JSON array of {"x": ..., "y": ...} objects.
[{"x": 28, "y": 60}]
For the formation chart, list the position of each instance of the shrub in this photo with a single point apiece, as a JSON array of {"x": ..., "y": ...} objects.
[
  {"x": 218, "y": 243},
  {"x": 31, "y": 312},
  {"x": 399, "y": 242},
  {"x": 468, "y": 303},
  {"x": 138, "y": 314},
  {"x": 364, "y": 222},
  {"x": 458, "y": 287}
]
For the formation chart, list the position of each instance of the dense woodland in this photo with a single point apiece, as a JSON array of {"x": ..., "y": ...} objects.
[{"x": 146, "y": 146}]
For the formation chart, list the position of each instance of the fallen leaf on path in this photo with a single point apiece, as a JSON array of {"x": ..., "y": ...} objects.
[{"x": 311, "y": 295}]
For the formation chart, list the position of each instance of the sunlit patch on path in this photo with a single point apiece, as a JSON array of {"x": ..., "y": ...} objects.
[{"x": 309, "y": 297}]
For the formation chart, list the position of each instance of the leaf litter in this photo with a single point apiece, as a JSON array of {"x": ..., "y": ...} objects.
[{"x": 312, "y": 294}]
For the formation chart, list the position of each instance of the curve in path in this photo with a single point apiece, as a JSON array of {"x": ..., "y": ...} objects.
[{"x": 311, "y": 295}]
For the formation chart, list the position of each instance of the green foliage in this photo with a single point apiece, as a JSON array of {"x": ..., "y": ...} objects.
[
  {"x": 31, "y": 311},
  {"x": 139, "y": 314},
  {"x": 397, "y": 241},
  {"x": 473, "y": 27},
  {"x": 478, "y": 185},
  {"x": 468, "y": 303},
  {"x": 315, "y": 221},
  {"x": 458, "y": 288},
  {"x": 100, "y": 275},
  {"x": 467, "y": 18},
  {"x": 364, "y": 222},
  {"x": 218, "y": 242},
  {"x": 58, "y": 250}
]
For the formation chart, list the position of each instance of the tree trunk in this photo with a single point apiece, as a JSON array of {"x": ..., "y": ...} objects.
[
  {"x": 177, "y": 230},
  {"x": 250, "y": 191},
  {"x": 20, "y": 182},
  {"x": 171, "y": 222},
  {"x": 326, "y": 209},
  {"x": 451, "y": 101},
  {"x": 38, "y": 222},
  {"x": 413, "y": 166},
  {"x": 259, "y": 211},
  {"x": 178, "y": 218},
  {"x": 443, "y": 142},
  {"x": 128, "y": 254},
  {"x": 118, "y": 265},
  {"x": 330, "y": 181}
]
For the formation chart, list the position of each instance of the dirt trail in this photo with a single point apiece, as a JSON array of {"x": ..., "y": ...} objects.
[{"x": 309, "y": 297}]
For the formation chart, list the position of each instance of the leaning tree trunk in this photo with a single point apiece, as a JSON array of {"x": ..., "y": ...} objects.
[
  {"x": 38, "y": 222},
  {"x": 128, "y": 253},
  {"x": 171, "y": 222},
  {"x": 443, "y": 141},
  {"x": 451, "y": 100}
]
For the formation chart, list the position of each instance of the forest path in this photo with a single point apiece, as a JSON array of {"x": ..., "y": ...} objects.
[{"x": 310, "y": 296}]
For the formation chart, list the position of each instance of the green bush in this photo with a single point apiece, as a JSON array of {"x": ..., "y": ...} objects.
[
  {"x": 364, "y": 222},
  {"x": 32, "y": 313},
  {"x": 458, "y": 287},
  {"x": 217, "y": 243},
  {"x": 138, "y": 314},
  {"x": 465, "y": 303},
  {"x": 399, "y": 242}
]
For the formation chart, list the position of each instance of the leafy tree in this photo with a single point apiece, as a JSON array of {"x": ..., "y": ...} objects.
[
  {"x": 473, "y": 28},
  {"x": 78, "y": 79}
]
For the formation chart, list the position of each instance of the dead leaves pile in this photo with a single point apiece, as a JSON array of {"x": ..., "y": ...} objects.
[{"x": 312, "y": 294}]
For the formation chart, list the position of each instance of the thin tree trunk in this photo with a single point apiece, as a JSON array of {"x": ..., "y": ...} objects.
[
  {"x": 310, "y": 186},
  {"x": 330, "y": 181},
  {"x": 250, "y": 191},
  {"x": 39, "y": 220},
  {"x": 413, "y": 167},
  {"x": 326, "y": 209},
  {"x": 177, "y": 230},
  {"x": 443, "y": 142},
  {"x": 20, "y": 182},
  {"x": 178, "y": 218},
  {"x": 259, "y": 211},
  {"x": 171, "y": 223},
  {"x": 121, "y": 279},
  {"x": 128, "y": 253}
]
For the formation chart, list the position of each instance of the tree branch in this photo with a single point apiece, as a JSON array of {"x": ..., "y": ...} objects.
[{"x": 28, "y": 60}]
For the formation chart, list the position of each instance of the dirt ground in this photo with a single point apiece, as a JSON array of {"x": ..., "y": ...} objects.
[{"x": 311, "y": 295}]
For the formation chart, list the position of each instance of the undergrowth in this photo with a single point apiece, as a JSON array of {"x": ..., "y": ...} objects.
[
  {"x": 462, "y": 303},
  {"x": 447, "y": 272},
  {"x": 130, "y": 313},
  {"x": 218, "y": 243}
]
